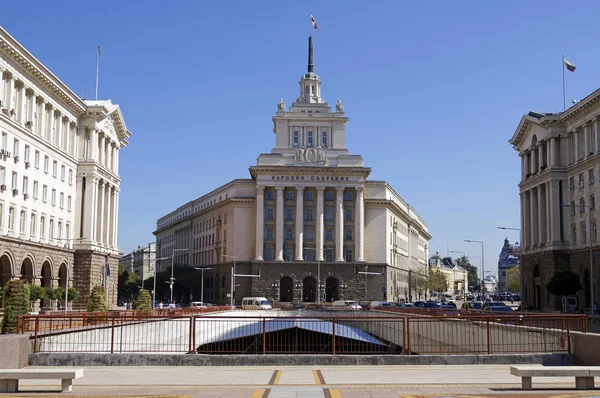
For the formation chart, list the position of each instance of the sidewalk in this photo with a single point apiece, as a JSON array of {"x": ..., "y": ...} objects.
[{"x": 306, "y": 382}]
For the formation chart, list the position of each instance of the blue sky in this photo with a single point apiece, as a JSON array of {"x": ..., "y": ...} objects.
[{"x": 434, "y": 90}]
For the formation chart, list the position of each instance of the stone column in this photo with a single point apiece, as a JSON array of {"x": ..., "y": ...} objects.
[
  {"x": 596, "y": 133},
  {"x": 49, "y": 123},
  {"x": 535, "y": 222},
  {"x": 260, "y": 221},
  {"x": 116, "y": 161},
  {"x": 9, "y": 91},
  {"x": 320, "y": 223},
  {"x": 339, "y": 224},
  {"x": 359, "y": 225},
  {"x": 523, "y": 220},
  {"x": 279, "y": 225},
  {"x": 108, "y": 215},
  {"x": 523, "y": 166},
  {"x": 22, "y": 100},
  {"x": 587, "y": 132},
  {"x": 100, "y": 215},
  {"x": 548, "y": 212},
  {"x": 299, "y": 223},
  {"x": 115, "y": 224},
  {"x": 100, "y": 145},
  {"x": 553, "y": 152},
  {"x": 109, "y": 155},
  {"x": 577, "y": 146},
  {"x": 541, "y": 208},
  {"x": 89, "y": 207}
]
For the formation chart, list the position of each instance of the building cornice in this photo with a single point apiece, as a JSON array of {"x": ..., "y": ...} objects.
[
  {"x": 292, "y": 170},
  {"x": 36, "y": 69}
]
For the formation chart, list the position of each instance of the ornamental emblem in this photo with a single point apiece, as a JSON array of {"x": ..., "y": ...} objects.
[{"x": 311, "y": 156}]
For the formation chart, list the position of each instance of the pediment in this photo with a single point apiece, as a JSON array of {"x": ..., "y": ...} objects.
[
  {"x": 529, "y": 127},
  {"x": 110, "y": 121}
]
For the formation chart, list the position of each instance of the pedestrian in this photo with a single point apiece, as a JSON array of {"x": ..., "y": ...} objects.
[
  {"x": 161, "y": 305},
  {"x": 172, "y": 306}
]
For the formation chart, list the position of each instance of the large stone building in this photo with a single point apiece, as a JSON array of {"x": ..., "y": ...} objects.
[
  {"x": 560, "y": 158},
  {"x": 59, "y": 181},
  {"x": 308, "y": 221},
  {"x": 457, "y": 277},
  {"x": 507, "y": 260}
]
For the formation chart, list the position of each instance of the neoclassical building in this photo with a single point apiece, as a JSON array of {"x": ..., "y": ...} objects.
[
  {"x": 308, "y": 221},
  {"x": 560, "y": 158},
  {"x": 59, "y": 181}
]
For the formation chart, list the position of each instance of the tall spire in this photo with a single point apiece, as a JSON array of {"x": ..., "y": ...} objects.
[{"x": 310, "y": 55}]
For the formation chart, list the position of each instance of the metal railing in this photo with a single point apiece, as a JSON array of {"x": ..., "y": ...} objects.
[{"x": 315, "y": 333}]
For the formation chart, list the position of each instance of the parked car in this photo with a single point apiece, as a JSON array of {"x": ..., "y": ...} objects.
[
  {"x": 472, "y": 305},
  {"x": 346, "y": 304}
]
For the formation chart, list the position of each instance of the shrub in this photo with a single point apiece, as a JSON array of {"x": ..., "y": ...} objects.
[
  {"x": 97, "y": 302},
  {"x": 143, "y": 301},
  {"x": 36, "y": 293},
  {"x": 73, "y": 294},
  {"x": 16, "y": 303}
]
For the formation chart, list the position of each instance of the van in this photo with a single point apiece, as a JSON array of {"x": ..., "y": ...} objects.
[
  {"x": 198, "y": 304},
  {"x": 346, "y": 305},
  {"x": 255, "y": 303}
]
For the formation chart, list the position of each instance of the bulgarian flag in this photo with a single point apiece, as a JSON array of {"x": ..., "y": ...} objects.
[
  {"x": 314, "y": 23},
  {"x": 99, "y": 53},
  {"x": 570, "y": 66}
]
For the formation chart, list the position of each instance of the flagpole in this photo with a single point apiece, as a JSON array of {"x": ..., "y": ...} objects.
[
  {"x": 564, "y": 92},
  {"x": 97, "y": 67}
]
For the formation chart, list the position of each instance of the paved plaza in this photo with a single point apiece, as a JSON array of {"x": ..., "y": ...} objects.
[{"x": 307, "y": 382}]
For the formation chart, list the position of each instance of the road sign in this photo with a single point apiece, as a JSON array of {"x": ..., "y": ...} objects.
[{"x": 383, "y": 289}]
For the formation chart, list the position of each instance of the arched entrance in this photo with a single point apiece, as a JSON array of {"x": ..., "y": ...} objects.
[
  {"x": 332, "y": 289},
  {"x": 46, "y": 281},
  {"x": 5, "y": 273},
  {"x": 62, "y": 276},
  {"x": 286, "y": 289},
  {"x": 586, "y": 289},
  {"x": 537, "y": 289},
  {"x": 309, "y": 290},
  {"x": 27, "y": 270}
]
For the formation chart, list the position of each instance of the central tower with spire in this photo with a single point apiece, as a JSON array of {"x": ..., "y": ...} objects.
[{"x": 310, "y": 83}]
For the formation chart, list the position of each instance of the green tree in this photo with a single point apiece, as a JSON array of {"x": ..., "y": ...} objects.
[
  {"x": 437, "y": 281},
  {"x": 471, "y": 270},
  {"x": 15, "y": 297},
  {"x": 127, "y": 285},
  {"x": 564, "y": 283},
  {"x": 514, "y": 279},
  {"x": 73, "y": 294},
  {"x": 36, "y": 293},
  {"x": 143, "y": 301},
  {"x": 96, "y": 301}
]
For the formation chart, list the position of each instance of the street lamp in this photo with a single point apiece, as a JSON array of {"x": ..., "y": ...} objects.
[
  {"x": 154, "y": 291},
  {"x": 232, "y": 278},
  {"x": 589, "y": 211},
  {"x": 482, "y": 263},
  {"x": 202, "y": 287},
  {"x": 173, "y": 267},
  {"x": 318, "y": 271},
  {"x": 67, "y": 276}
]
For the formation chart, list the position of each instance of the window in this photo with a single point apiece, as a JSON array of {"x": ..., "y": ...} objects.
[
  {"x": 324, "y": 139},
  {"x": 25, "y": 184},
  {"x": 329, "y": 234},
  {"x": 59, "y": 230},
  {"x": 309, "y": 195},
  {"x": 572, "y": 207},
  {"x": 308, "y": 234},
  {"x": 289, "y": 213},
  {"x": 54, "y": 169},
  {"x": 45, "y": 193},
  {"x": 581, "y": 205},
  {"x": 348, "y": 256},
  {"x": 53, "y": 198},
  {"x": 328, "y": 255},
  {"x": 269, "y": 233},
  {"x": 309, "y": 255},
  {"x": 42, "y": 226},
  {"x": 70, "y": 177},
  {"x": 270, "y": 195},
  {"x": 309, "y": 215},
  {"x": 2, "y": 175},
  {"x": 68, "y": 231},
  {"x": 296, "y": 139},
  {"x": 348, "y": 214},
  {"x": 289, "y": 233},
  {"x": 268, "y": 255},
  {"x": 328, "y": 214},
  {"x": 594, "y": 231},
  {"x": 1, "y": 215},
  {"x": 35, "y": 189},
  {"x": 328, "y": 195},
  {"x": 572, "y": 183},
  {"x": 592, "y": 202},
  {"x": 37, "y": 159},
  {"x": 269, "y": 214},
  {"x": 69, "y": 203},
  {"x": 62, "y": 172},
  {"x": 26, "y": 154},
  {"x": 581, "y": 180},
  {"x": 289, "y": 195},
  {"x": 4, "y": 142},
  {"x": 583, "y": 233},
  {"x": 591, "y": 176},
  {"x": 16, "y": 147},
  {"x": 309, "y": 141},
  {"x": 22, "y": 221},
  {"x": 348, "y": 234},
  {"x": 14, "y": 180},
  {"x": 289, "y": 255},
  {"x": 46, "y": 163},
  {"x": 348, "y": 195},
  {"x": 11, "y": 218},
  {"x": 62, "y": 200},
  {"x": 32, "y": 224}
]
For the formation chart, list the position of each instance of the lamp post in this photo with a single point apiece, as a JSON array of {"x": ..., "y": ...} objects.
[
  {"x": 318, "y": 272},
  {"x": 589, "y": 211},
  {"x": 482, "y": 263},
  {"x": 154, "y": 291},
  {"x": 67, "y": 276},
  {"x": 232, "y": 292},
  {"x": 202, "y": 286},
  {"x": 173, "y": 267}
]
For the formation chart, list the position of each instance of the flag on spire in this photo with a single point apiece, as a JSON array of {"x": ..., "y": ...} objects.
[
  {"x": 570, "y": 66},
  {"x": 314, "y": 23},
  {"x": 99, "y": 53}
]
